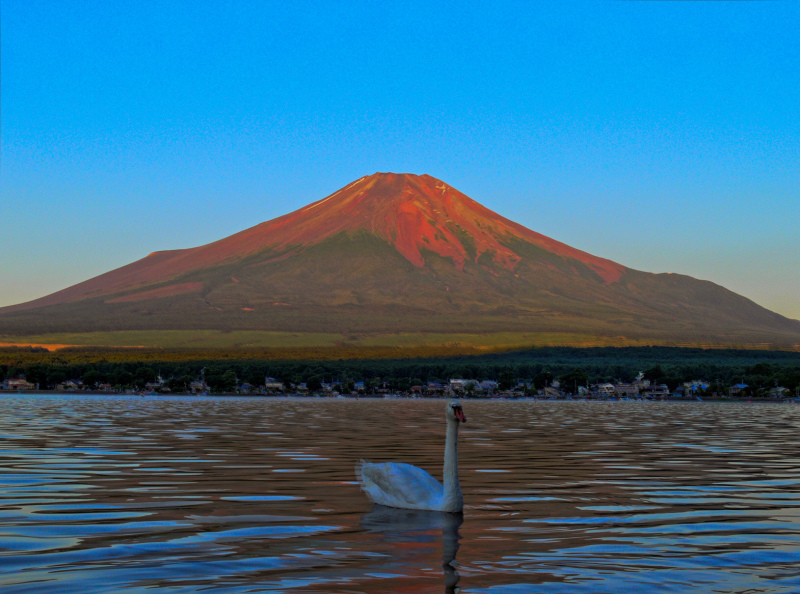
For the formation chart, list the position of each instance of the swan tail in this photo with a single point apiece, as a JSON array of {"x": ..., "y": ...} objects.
[
  {"x": 359, "y": 471},
  {"x": 364, "y": 472}
]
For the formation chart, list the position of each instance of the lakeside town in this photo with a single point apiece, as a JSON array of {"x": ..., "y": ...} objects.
[{"x": 640, "y": 388}]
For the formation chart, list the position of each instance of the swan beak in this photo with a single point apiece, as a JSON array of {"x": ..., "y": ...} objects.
[{"x": 460, "y": 415}]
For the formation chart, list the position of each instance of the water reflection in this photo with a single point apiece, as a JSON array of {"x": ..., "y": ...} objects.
[{"x": 416, "y": 529}]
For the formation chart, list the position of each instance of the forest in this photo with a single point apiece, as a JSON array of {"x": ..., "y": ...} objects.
[{"x": 760, "y": 370}]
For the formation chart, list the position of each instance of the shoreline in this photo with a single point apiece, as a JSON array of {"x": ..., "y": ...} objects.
[{"x": 393, "y": 398}]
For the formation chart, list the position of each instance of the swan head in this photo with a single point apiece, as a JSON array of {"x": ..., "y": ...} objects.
[{"x": 455, "y": 413}]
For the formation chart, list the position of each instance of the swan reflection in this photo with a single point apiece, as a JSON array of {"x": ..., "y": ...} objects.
[{"x": 410, "y": 526}]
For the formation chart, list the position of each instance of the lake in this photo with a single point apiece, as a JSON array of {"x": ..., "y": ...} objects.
[{"x": 102, "y": 493}]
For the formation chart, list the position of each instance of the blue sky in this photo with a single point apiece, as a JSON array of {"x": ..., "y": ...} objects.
[{"x": 662, "y": 135}]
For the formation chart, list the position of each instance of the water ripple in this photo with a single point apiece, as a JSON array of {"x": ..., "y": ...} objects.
[{"x": 105, "y": 494}]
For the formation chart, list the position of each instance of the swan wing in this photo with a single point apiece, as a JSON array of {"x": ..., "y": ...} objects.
[{"x": 396, "y": 484}]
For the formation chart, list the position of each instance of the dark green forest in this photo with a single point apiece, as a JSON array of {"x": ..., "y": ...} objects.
[{"x": 573, "y": 366}]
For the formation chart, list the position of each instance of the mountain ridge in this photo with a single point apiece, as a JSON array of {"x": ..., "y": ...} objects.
[{"x": 392, "y": 252}]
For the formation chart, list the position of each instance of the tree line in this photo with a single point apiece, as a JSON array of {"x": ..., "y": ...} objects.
[{"x": 571, "y": 366}]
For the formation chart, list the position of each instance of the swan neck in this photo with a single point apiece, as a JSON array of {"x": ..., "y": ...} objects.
[{"x": 452, "y": 489}]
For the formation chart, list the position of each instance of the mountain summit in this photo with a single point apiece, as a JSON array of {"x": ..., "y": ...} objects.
[
  {"x": 400, "y": 252},
  {"x": 417, "y": 213}
]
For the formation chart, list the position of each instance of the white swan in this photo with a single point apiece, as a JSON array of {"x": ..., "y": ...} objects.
[{"x": 395, "y": 484}]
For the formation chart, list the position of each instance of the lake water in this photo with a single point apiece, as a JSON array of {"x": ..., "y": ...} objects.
[{"x": 102, "y": 493}]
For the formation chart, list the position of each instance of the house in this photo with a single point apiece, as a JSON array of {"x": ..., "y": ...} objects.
[
  {"x": 273, "y": 386},
  {"x": 658, "y": 391},
  {"x": 696, "y": 386},
  {"x": 459, "y": 385},
  {"x": 779, "y": 392},
  {"x": 69, "y": 386},
  {"x": 737, "y": 388},
  {"x": 198, "y": 386},
  {"x": 435, "y": 388},
  {"x": 627, "y": 389},
  {"x": 605, "y": 389},
  {"x": 19, "y": 384},
  {"x": 552, "y": 393},
  {"x": 488, "y": 386}
]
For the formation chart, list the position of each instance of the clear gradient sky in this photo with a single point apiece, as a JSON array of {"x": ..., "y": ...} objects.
[{"x": 662, "y": 135}]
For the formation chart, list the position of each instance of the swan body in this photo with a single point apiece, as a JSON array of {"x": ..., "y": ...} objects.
[{"x": 396, "y": 484}]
